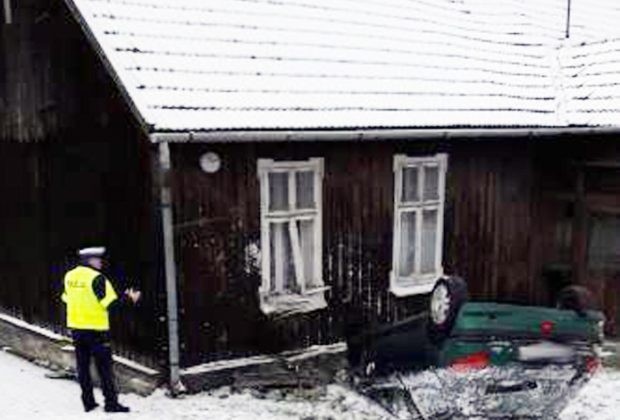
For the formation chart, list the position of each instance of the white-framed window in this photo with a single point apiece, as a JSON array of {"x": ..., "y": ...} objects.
[
  {"x": 291, "y": 235},
  {"x": 419, "y": 198}
]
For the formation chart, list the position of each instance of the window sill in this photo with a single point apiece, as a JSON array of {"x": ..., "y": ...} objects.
[
  {"x": 285, "y": 305},
  {"x": 419, "y": 287}
]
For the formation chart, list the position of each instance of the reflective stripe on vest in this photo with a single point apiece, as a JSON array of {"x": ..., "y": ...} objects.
[{"x": 84, "y": 310}]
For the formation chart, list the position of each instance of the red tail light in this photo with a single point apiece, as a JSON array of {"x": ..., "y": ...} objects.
[
  {"x": 478, "y": 360},
  {"x": 546, "y": 327},
  {"x": 592, "y": 364}
]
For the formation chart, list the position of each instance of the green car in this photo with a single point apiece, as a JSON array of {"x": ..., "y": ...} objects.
[
  {"x": 511, "y": 357},
  {"x": 496, "y": 334},
  {"x": 479, "y": 334}
]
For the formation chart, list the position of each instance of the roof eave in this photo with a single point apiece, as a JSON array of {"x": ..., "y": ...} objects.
[{"x": 248, "y": 136}]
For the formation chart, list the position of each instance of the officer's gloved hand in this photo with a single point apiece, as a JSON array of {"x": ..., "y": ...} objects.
[{"x": 133, "y": 295}]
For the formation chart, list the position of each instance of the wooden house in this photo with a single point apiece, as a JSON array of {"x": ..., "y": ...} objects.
[{"x": 266, "y": 171}]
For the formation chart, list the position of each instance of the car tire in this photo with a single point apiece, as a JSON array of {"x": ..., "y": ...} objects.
[
  {"x": 576, "y": 298},
  {"x": 447, "y": 297}
]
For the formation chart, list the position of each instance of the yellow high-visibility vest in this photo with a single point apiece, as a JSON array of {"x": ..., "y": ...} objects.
[{"x": 84, "y": 310}]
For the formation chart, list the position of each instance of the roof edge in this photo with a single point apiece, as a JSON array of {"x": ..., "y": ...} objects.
[
  {"x": 241, "y": 136},
  {"x": 94, "y": 43}
]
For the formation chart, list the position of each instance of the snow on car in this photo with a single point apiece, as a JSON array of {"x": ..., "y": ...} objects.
[{"x": 486, "y": 359}]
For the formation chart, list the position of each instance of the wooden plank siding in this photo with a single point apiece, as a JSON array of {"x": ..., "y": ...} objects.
[
  {"x": 581, "y": 195},
  {"x": 56, "y": 199},
  {"x": 76, "y": 171},
  {"x": 492, "y": 199},
  {"x": 217, "y": 215},
  {"x": 489, "y": 221},
  {"x": 500, "y": 235},
  {"x": 37, "y": 96}
]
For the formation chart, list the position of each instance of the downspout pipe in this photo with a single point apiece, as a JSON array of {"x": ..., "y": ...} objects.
[
  {"x": 8, "y": 13},
  {"x": 165, "y": 166},
  {"x": 568, "y": 10}
]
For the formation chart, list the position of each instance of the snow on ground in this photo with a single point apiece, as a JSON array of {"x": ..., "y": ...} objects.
[
  {"x": 599, "y": 399},
  {"x": 25, "y": 392}
]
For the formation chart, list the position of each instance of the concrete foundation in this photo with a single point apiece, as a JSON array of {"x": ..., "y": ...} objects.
[{"x": 303, "y": 369}]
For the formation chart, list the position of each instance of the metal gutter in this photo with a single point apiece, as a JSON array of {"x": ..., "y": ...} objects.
[
  {"x": 370, "y": 134},
  {"x": 92, "y": 39},
  {"x": 165, "y": 166}
]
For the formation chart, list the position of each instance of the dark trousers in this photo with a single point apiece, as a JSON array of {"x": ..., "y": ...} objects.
[{"x": 95, "y": 344}]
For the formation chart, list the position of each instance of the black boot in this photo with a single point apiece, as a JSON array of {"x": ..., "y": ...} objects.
[
  {"x": 116, "y": 408},
  {"x": 90, "y": 406}
]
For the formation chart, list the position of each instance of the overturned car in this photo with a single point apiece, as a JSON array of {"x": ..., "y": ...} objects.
[{"x": 463, "y": 359}]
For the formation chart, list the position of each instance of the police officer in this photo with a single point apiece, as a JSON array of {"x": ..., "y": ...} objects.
[{"x": 89, "y": 295}]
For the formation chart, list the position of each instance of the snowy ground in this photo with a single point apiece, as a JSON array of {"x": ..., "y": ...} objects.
[
  {"x": 25, "y": 392},
  {"x": 599, "y": 399}
]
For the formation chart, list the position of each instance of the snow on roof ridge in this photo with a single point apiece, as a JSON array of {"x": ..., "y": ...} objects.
[{"x": 238, "y": 64}]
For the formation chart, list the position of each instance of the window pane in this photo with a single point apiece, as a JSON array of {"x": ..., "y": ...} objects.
[
  {"x": 306, "y": 239},
  {"x": 431, "y": 183},
  {"x": 429, "y": 240},
  {"x": 410, "y": 185},
  {"x": 304, "y": 182},
  {"x": 278, "y": 191},
  {"x": 407, "y": 244},
  {"x": 282, "y": 268}
]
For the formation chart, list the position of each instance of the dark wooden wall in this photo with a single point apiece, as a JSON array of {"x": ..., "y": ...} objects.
[
  {"x": 580, "y": 198},
  {"x": 75, "y": 172},
  {"x": 217, "y": 215},
  {"x": 488, "y": 217},
  {"x": 491, "y": 220},
  {"x": 37, "y": 95},
  {"x": 500, "y": 235},
  {"x": 522, "y": 215}
]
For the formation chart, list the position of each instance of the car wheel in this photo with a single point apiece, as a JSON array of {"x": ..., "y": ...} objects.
[
  {"x": 576, "y": 298},
  {"x": 446, "y": 300}
]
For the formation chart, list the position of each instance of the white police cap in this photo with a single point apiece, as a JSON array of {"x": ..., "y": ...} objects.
[{"x": 94, "y": 251}]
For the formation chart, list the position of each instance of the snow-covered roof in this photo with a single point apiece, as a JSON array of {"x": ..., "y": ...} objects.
[{"x": 196, "y": 65}]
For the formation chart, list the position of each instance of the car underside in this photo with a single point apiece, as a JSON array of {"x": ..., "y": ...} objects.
[{"x": 491, "y": 360}]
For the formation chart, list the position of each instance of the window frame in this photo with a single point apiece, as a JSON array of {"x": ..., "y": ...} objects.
[
  {"x": 307, "y": 298},
  {"x": 418, "y": 282}
]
